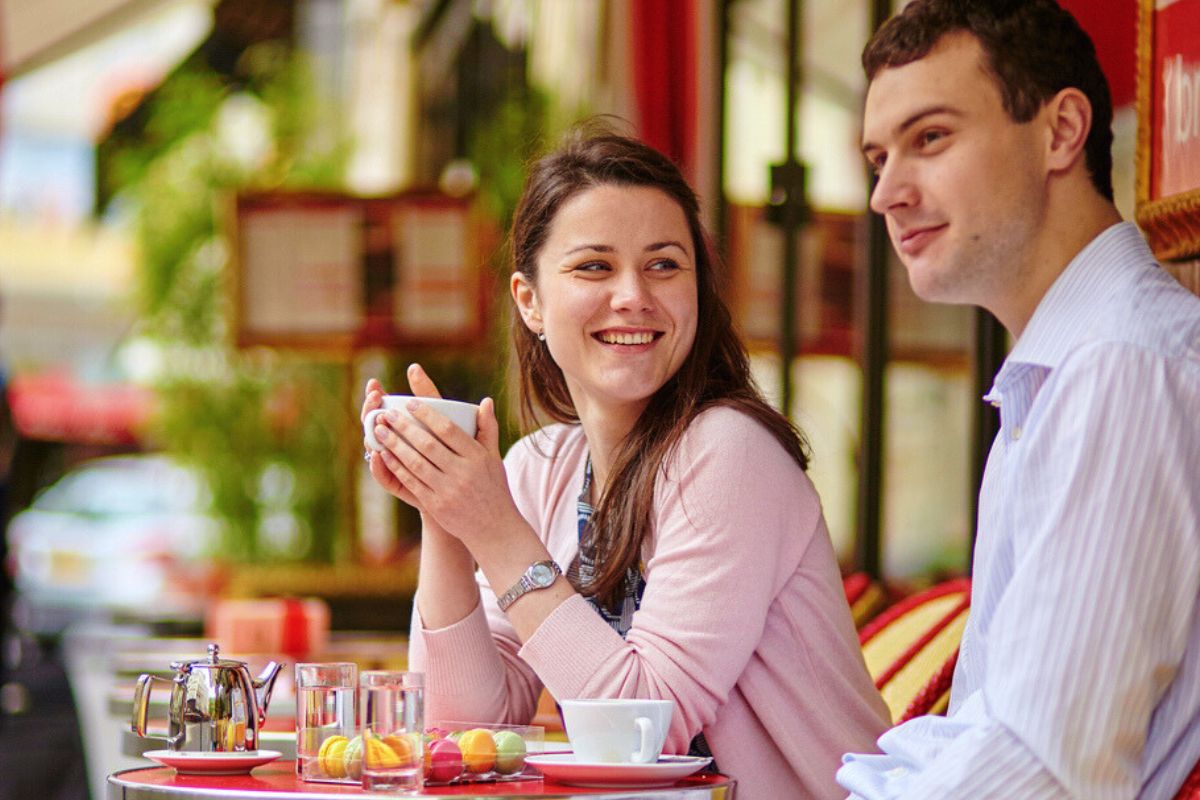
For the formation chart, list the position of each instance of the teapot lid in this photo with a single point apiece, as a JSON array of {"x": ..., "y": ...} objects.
[{"x": 211, "y": 661}]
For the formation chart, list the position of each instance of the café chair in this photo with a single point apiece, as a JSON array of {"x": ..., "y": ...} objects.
[
  {"x": 911, "y": 650},
  {"x": 912, "y": 647},
  {"x": 865, "y": 596}
]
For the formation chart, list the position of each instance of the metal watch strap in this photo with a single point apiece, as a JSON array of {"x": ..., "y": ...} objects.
[{"x": 530, "y": 582}]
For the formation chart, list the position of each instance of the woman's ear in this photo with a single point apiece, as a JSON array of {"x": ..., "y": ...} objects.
[{"x": 525, "y": 296}]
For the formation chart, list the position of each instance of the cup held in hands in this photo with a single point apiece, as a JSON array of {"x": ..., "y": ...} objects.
[
  {"x": 461, "y": 414},
  {"x": 617, "y": 731}
]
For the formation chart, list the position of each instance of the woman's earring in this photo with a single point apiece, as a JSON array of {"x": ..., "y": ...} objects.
[{"x": 542, "y": 336}]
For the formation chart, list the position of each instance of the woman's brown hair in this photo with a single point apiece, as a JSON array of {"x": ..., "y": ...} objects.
[{"x": 715, "y": 372}]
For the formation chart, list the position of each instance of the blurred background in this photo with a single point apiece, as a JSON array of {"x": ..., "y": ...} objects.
[{"x": 219, "y": 217}]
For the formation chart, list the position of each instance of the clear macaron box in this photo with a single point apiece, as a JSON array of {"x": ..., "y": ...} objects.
[
  {"x": 469, "y": 752},
  {"x": 453, "y": 753},
  {"x": 369, "y": 728}
]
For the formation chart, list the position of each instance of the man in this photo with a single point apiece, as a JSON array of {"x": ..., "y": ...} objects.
[{"x": 987, "y": 124}]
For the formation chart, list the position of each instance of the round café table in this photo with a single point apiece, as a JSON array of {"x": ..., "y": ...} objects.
[{"x": 278, "y": 781}]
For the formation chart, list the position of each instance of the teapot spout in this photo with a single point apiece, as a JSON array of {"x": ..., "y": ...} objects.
[{"x": 263, "y": 684}]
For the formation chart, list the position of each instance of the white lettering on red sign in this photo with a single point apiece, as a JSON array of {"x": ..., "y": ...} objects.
[
  {"x": 1181, "y": 112},
  {"x": 1180, "y": 165}
]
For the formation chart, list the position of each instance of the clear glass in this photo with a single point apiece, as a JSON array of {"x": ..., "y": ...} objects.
[
  {"x": 391, "y": 711},
  {"x": 325, "y": 720}
]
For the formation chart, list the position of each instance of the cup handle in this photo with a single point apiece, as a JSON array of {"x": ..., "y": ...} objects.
[
  {"x": 369, "y": 428},
  {"x": 645, "y": 753}
]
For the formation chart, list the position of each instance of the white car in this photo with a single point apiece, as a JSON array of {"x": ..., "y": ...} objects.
[{"x": 110, "y": 534}]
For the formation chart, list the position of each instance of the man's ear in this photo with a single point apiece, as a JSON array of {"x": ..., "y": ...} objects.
[
  {"x": 1069, "y": 117},
  {"x": 525, "y": 296}
]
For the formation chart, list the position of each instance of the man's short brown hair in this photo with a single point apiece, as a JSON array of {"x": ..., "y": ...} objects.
[{"x": 1033, "y": 49}]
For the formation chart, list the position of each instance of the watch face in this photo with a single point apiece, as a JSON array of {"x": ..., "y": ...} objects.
[{"x": 541, "y": 575}]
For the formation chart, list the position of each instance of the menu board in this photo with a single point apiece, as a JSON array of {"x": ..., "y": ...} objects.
[
  {"x": 304, "y": 278},
  {"x": 335, "y": 273},
  {"x": 434, "y": 287},
  {"x": 1168, "y": 151}
]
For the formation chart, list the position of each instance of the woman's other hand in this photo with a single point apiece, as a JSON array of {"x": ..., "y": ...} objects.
[{"x": 422, "y": 386}]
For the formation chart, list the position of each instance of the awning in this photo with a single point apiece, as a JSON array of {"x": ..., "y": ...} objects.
[
  {"x": 34, "y": 33},
  {"x": 63, "y": 63}
]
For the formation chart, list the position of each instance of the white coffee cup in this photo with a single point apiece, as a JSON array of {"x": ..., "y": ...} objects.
[
  {"x": 460, "y": 413},
  {"x": 617, "y": 731}
]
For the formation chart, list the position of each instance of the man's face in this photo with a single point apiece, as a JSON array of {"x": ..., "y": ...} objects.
[{"x": 960, "y": 184}]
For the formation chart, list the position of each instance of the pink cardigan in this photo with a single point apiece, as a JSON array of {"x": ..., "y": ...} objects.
[{"x": 743, "y": 624}]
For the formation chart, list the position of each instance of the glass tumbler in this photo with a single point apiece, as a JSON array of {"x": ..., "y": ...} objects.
[
  {"x": 391, "y": 713},
  {"x": 324, "y": 719}
]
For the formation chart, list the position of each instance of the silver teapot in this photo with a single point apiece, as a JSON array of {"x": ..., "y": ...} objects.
[{"x": 215, "y": 705}]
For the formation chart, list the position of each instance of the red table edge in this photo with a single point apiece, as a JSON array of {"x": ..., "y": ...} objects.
[{"x": 279, "y": 779}]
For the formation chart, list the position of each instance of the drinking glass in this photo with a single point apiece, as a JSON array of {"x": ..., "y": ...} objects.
[
  {"x": 391, "y": 710},
  {"x": 324, "y": 718}
]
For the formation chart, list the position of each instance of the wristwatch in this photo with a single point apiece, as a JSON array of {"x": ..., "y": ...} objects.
[{"x": 540, "y": 575}]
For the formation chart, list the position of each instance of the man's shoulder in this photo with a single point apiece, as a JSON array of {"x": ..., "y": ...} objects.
[
  {"x": 1170, "y": 314},
  {"x": 1150, "y": 311}
]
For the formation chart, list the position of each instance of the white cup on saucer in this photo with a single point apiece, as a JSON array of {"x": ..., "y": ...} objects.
[
  {"x": 617, "y": 731},
  {"x": 461, "y": 414}
]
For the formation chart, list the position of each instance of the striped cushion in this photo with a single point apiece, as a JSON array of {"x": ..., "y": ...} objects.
[
  {"x": 911, "y": 649},
  {"x": 865, "y": 596}
]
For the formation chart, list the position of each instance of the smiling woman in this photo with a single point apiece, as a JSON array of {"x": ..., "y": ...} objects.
[
  {"x": 615, "y": 296},
  {"x": 661, "y": 540}
]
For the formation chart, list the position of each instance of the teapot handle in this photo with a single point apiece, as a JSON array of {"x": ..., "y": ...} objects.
[{"x": 141, "y": 705}]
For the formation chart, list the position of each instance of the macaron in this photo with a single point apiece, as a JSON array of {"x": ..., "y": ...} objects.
[
  {"x": 478, "y": 750},
  {"x": 443, "y": 761},
  {"x": 510, "y": 752}
]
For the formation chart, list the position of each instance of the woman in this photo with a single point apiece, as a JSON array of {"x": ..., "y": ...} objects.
[{"x": 698, "y": 567}]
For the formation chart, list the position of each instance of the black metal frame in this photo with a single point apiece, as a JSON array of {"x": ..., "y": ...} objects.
[
  {"x": 787, "y": 190},
  {"x": 874, "y": 303}
]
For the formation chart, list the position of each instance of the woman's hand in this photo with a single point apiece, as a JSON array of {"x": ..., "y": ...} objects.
[
  {"x": 379, "y": 471},
  {"x": 443, "y": 472},
  {"x": 468, "y": 514}
]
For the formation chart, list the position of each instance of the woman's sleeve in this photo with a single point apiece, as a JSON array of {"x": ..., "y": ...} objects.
[
  {"x": 473, "y": 672},
  {"x": 734, "y": 514}
]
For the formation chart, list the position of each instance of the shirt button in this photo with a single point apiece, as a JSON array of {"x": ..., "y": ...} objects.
[
  {"x": 1016, "y": 434},
  {"x": 896, "y": 772}
]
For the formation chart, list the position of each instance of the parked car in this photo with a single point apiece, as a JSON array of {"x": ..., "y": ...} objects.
[{"x": 110, "y": 534}]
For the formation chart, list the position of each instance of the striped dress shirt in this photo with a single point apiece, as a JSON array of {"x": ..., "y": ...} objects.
[{"x": 1079, "y": 673}]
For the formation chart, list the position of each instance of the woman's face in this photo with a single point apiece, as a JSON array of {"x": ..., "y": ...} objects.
[{"x": 615, "y": 296}]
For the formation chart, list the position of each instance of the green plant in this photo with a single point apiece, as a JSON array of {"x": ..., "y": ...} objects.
[
  {"x": 264, "y": 428},
  {"x": 502, "y": 144}
]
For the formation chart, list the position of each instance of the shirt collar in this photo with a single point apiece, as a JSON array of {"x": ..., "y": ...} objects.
[{"x": 1082, "y": 288}]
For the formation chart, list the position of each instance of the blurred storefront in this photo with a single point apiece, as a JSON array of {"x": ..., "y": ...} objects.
[
  {"x": 451, "y": 94},
  {"x": 65, "y": 276},
  {"x": 133, "y": 131}
]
